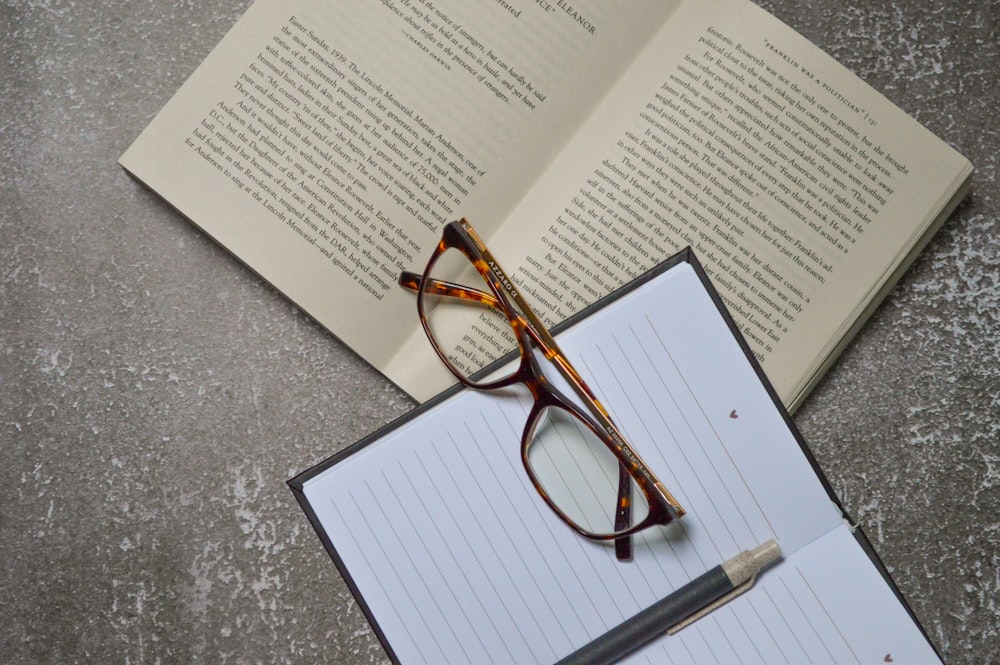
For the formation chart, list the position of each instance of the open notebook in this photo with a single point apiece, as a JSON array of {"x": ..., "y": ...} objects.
[{"x": 456, "y": 559}]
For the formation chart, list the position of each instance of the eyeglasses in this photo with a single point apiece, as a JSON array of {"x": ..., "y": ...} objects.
[{"x": 573, "y": 453}]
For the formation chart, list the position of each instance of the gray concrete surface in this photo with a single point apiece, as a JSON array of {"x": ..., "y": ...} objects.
[{"x": 155, "y": 396}]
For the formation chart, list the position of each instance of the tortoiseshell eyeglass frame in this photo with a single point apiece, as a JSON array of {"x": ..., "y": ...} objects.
[{"x": 528, "y": 329}]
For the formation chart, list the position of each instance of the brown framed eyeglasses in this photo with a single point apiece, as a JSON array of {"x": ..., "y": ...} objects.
[{"x": 575, "y": 456}]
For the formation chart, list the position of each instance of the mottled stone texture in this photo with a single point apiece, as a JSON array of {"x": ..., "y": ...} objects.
[{"x": 155, "y": 395}]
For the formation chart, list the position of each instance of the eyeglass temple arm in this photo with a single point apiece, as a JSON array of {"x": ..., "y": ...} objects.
[{"x": 412, "y": 281}]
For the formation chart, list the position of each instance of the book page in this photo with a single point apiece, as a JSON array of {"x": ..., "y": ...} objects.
[
  {"x": 325, "y": 144},
  {"x": 460, "y": 561},
  {"x": 801, "y": 189}
]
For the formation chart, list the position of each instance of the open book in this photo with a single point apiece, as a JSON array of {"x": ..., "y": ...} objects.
[
  {"x": 455, "y": 558},
  {"x": 325, "y": 144}
]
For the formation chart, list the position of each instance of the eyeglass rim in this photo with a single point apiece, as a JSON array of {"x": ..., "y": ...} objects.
[
  {"x": 660, "y": 513},
  {"x": 523, "y": 345}
]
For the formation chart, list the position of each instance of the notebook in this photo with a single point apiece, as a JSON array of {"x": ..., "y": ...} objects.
[{"x": 455, "y": 558}]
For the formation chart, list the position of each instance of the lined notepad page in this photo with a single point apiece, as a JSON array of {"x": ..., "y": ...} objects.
[{"x": 460, "y": 561}]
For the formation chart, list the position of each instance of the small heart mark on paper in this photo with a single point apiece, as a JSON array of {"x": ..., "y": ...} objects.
[{"x": 733, "y": 414}]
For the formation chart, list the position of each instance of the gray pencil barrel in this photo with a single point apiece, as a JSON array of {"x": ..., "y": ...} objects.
[{"x": 652, "y": 621}]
